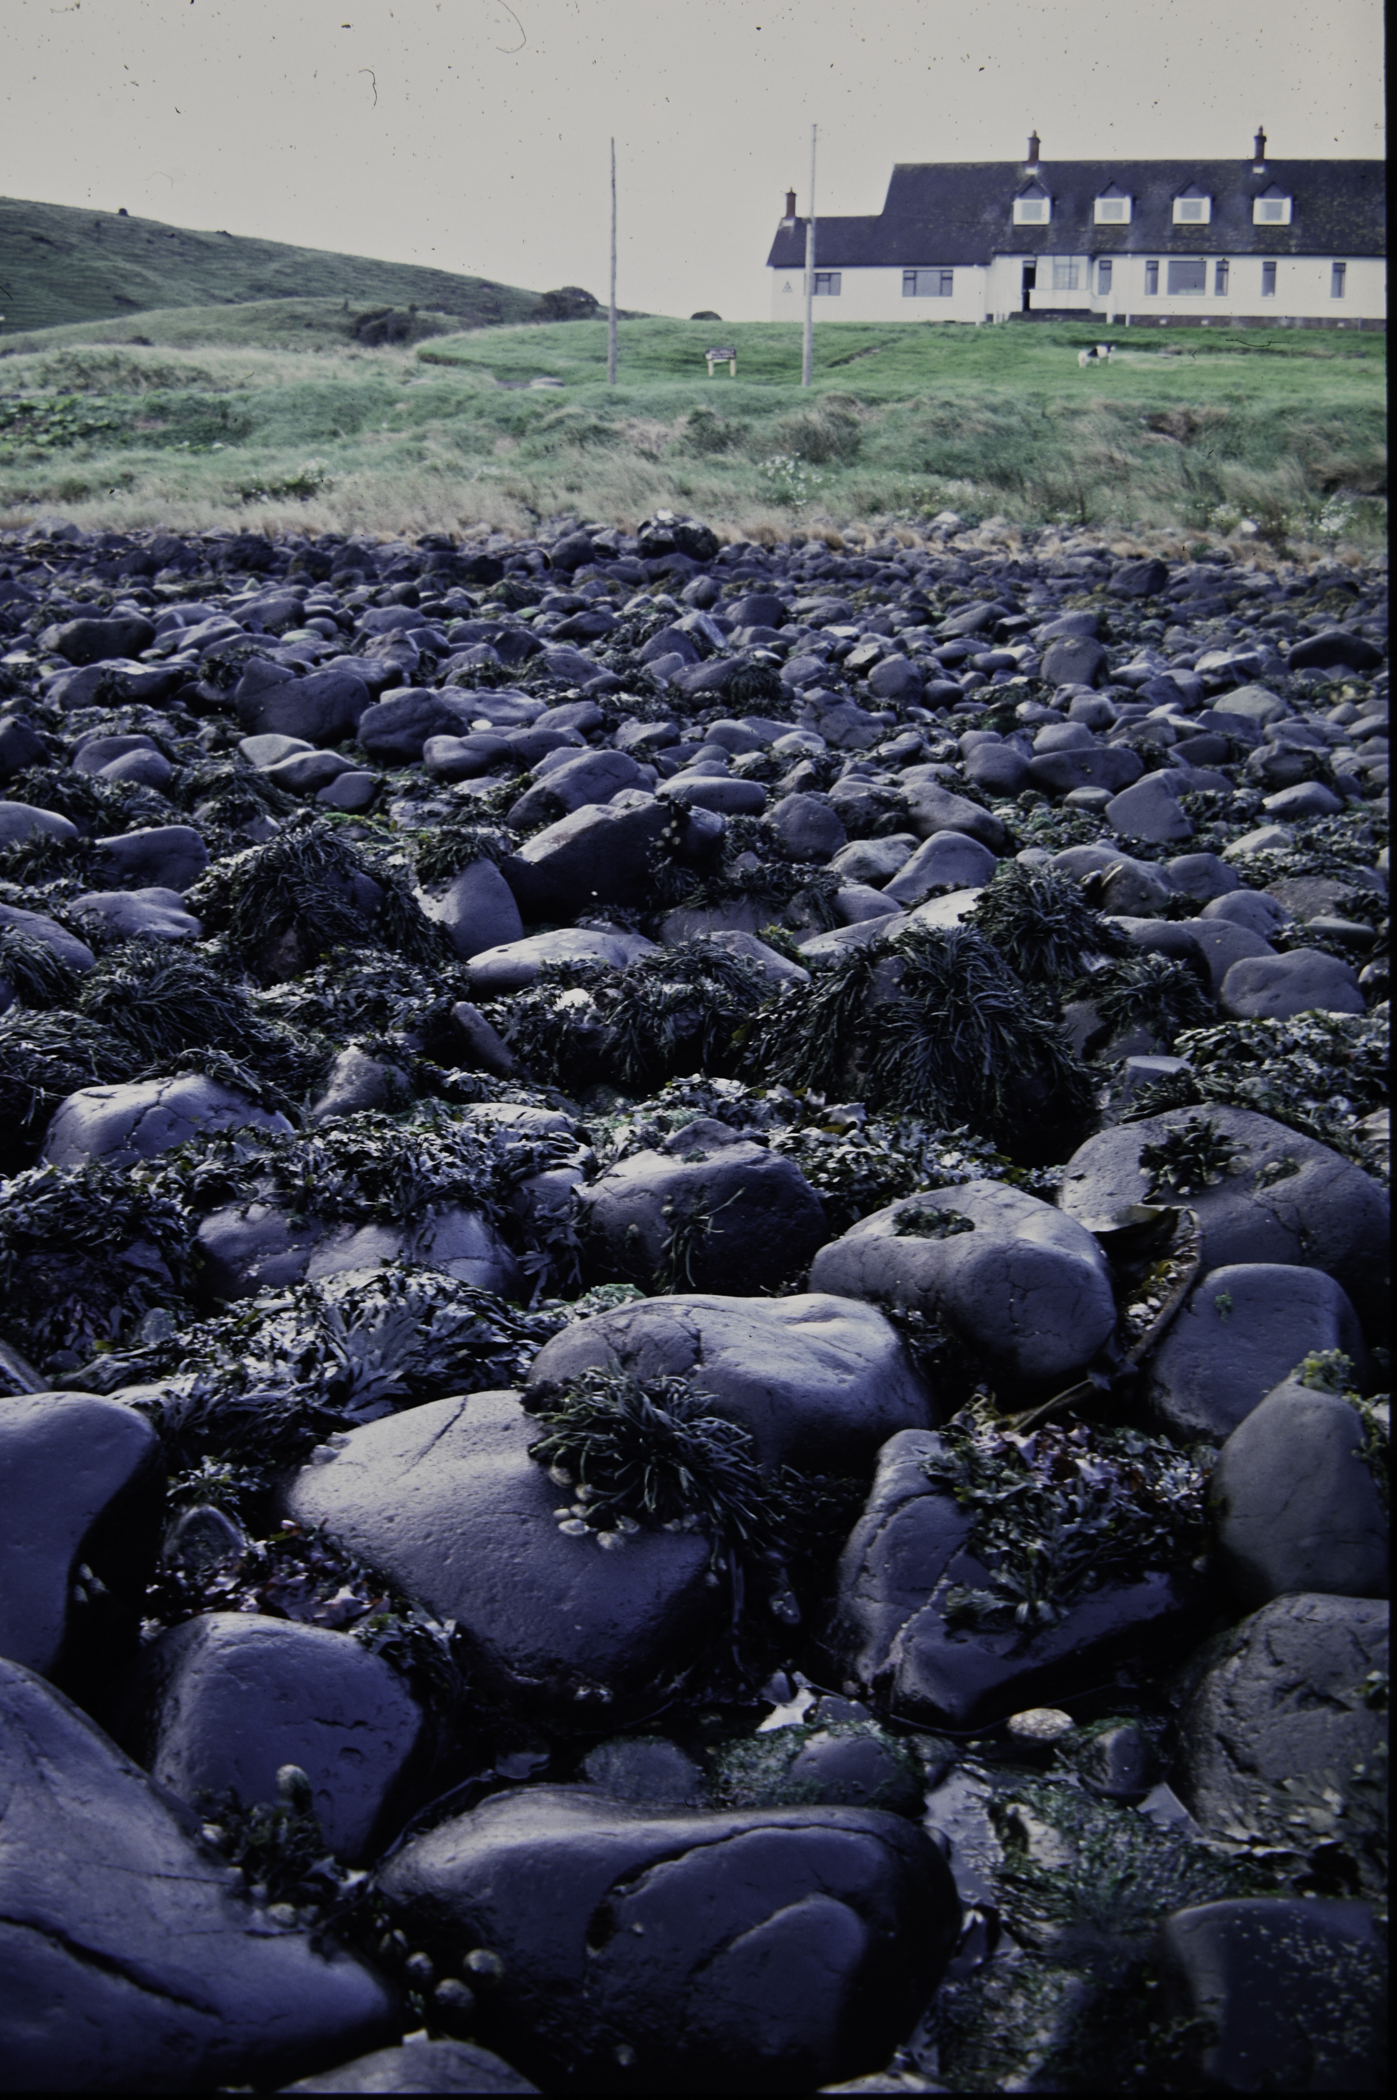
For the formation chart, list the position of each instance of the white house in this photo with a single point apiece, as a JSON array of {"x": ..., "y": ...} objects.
[{"x": 1149, "y": 243}]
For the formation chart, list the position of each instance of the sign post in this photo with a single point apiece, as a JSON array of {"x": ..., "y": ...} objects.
[{"x": 807, "y": 355}]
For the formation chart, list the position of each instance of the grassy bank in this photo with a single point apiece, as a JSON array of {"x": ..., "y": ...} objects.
[{"x": 260, "y": 412}]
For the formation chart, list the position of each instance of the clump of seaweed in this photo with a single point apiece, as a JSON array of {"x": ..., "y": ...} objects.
[
  {"x": 1190, "y": 1157},
  {"x": 95, "y": 805},
  {"x": 1060, "y": 1510},
  {"x": 453, "y": 844},
  {"x": 923, "y": 1221},
  {"x": 85, "y": 1253},
  {"x": 36, "y": 974},
  {"x": 160, "y": 998},
  {"x": 1161, "y": 993},
  {"x": 1042, "y": 924},
  {"x": 44, "y": 1057}
]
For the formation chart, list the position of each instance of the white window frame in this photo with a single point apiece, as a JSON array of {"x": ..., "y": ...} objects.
[
  {"x": 943, "y": 288},
  {"x": 1181, "y": 291},
  {"x": 1033, "y": 211},
  {"x": 1193, "y": 211},
  {"x": 1222, "y": 277},
  {"x": 1338, "y": 280},
  {"x": 829, "y": 284},
  {"x": 1152, "y": 278},
  {"x": 1268, "y": 279},
  {"x": 1066, "y": 273},
  {"x": 1113, "y": 211},
  {"x": 1270, "y": 211}
]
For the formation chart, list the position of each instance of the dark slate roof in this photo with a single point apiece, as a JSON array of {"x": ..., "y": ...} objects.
[{"x": 962, "y": 212}]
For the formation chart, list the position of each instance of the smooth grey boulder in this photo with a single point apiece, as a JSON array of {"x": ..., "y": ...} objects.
[
  {"x": 128, "y": 1960},
  {"x": 719, "y": 793},
  {"x": 515, "y": 963},
  {"x": 1110, "y": 766},
  {"x": 393, "y": 730},
  {"x": 305, "y": 772},
  {"x": 998, "y": 769},
  {"x": 1265, "y": 988},
  {"x": 1332, "y": 647},
  {"x": 895, "y": 678},
  {"x": 1290, "y": 1995},
  {"x": 226, "y": 1699},
  {"x": 323, "y": 707},
  {"x": 645, "y": 1768},
  {"x": 934, "y": 808},
  {"x": 446, "y": 1501},
  {"x": 121, "y": 1124},
  {"x": 21, "y": 746},
  {"x": 1074, "y": 659},
  {"x": 66, "y": 946},
  {"x": 1224, "y": 942},
  {"x": 18, "y": 820},
  {"x": 1150, "y": 810},
  {"x": 747, "y": 1951},
  {"x": 1257, "y": 911},
  {"x": 95, "y": 753},
  {"x": 153, "y": 913},
  {"x": 82, "y": 1483},
  {"x": 821, "y": 1382},
  {"x": 874, "y": 861},
  {"x": 1139, "y": 579},
  {"x": 420, "y": 2065},
  {"x": 590, "y": 776},
  {"x": 89, "y": 641},
  {"x": 248, "y": 1247},
  {"x": 709, "y": 1210},
  {"x": 1287, "y": 1722},
  {"x": 461, "y": 1243},
  {"x": 1284, "y": 1198},
  {"x": 1025, "y": 1284},
  {"x": 164, "y": 856},
  {"x": 908, "y": 1554},
  {"x": 603, "y": 854},
  {"x": 356, "y": 1081},
  {"x": 948, "y": 861},
  {"x": 1241, "y": 1331},
  {"x": 776, "y": 969},
  {"x": 1294, "y": 1502},
  {"x": 808, "y": 826},
  {"x": 477, "y": 909}
]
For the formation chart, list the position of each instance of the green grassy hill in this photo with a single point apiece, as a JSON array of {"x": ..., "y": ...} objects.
[
  {"x": 60, "y": 265},
  {"x": 267, "y": 412}
]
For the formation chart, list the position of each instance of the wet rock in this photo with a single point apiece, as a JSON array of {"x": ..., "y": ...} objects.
[
  {"x": 18, "y": 821},
  {"x": 646, "y": 1769},
  {"x": 166, "y": 856},
  {"x": 248, "y": 1247},
  {"x": 461, "y": 1243},
  {"x": 153, "y": 913},
  {"x": 1277, "y": 988},
  {"x": 600, "y": 855},
  {"x": 933, "y": 808},
  {"x": 590, "y": 777},
  {"x": 998, "y": 769},
  {"x": 131, "y": 1964},
  {"x": 774, "y": 1950},
  {"x": 1285, "y": 1734},
  {"x": 477, "y": 909},
  {"x": 1291, "y": 1995},
  {"x": 356, "y": 1081},
  {"x": 1274, "y": 1197},
  {"x": 819, "y": 1381},
  {"x": 517, "y": 963},
  {"x": 446, "y": 1501},
  {"x": 82, "y": 1484},
  {"x": 1025, "y": 1284},
  {"x": 121, "y": 1124},
  {"x": 323, "y": 708},
  {"x": 39, "y": 927},
  {"x": 807, "y": 826},
  {"x": 1295, "y": 1503},
  {"x": 1240, "y": 1332},
  {"x": 1074, "y": 660},
  {"x": 1150, "y": 810},
  {"x": 948, "y": 861},
  {"x": 1223, "y": 942},
  {"x": 420, "y": 2065},
  {"x": 226, "y": 1699},
  {"x": 88, "y": 641},
  {"x": 1111, "y": 766},
  {"x": 709, "y": 1211}
]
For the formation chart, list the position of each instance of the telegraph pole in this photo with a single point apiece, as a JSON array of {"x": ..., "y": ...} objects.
[
  {"x": 611, "y": 317},
  {"x": 807, "y": 354}
]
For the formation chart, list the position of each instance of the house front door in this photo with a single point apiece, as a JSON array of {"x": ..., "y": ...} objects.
[{"x": 1030, "y": 279}]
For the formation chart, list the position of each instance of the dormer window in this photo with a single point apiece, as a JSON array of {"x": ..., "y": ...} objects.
[
  {"x": 1033, "y": 207},
  {"x": 1112, "y": 208},
  {"x": 1271, "y": 208},
  {"x": 1192, "y": 207}
]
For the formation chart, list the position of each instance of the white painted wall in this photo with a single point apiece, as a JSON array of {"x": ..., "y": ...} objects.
[
  {"x": 876, "y": 295},
  {"x": 1302, "y": 292}
]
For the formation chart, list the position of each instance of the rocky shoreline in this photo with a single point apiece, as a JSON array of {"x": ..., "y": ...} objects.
[{"x": 693, "y": 1357}]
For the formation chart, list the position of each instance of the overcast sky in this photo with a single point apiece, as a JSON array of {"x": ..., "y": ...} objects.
[{"x": 472, "y": 135}]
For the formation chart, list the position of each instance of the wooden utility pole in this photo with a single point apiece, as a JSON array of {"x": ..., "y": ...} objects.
[
  {"x": 611, "y": 317},
  {"x": 807, "y": 354}
]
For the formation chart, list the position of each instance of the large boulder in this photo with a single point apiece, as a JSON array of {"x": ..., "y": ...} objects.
[
  {"x": 515, "y": 963},
  {"x": 130, "y": 1964},
  {"x": 1276, "y": 988},
  {"x": 709, "y": 1210},
  {"x": 82, "y": 1485},
  {"x": 153, "y": 913},
  {"x": 908, "y": 1563},
  {"x": 446, "y": 1501},
  {"x": 1295, "y": 1502},
  {"x": 1275, "y": 1196},
  {"x": 1286, "y": 1728},
  {"x": 88, "y": 641},
  {"x": 226, "y": 1699},
  {"x": 1242, "y": 1329},
  {"x": 162, "y": 856},
  {"x": 323, "y": 708},
  {"x": 477, "y": 908},
  {"x": 654, "y": 1950},
  {"x": 932, "y": 808},
  {"x": 947, "y": 861},
  {"x": 419, "y": 2065},
  {"x": 591, "y": 776},
  {"x": 603, "y": 854},
  {"x": 121, "y": 1124},
  {"x": 819, "y": 1381},
  {"x": 1028, "y": 1286}
]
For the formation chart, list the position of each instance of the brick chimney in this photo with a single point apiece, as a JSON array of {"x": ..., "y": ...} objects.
[
  {"x": 790, "y": 208},
  {"x": 1034, "y": 142},
  {"x": 1259, "y": 152}
]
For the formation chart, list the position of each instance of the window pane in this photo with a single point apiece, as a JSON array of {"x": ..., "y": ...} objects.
[
  {"x": 947, "y": 285},
  {"x": 1336, "y": 280},
  {"x": 1220, "y": 279},
  {"x": 1064, "y": 277},
  {"x": 1268, "y": 280},
  {"x": 1103, "y": 277},
  {"x": 1273, "y": 210},
  {"x": 1188, "y": 276},
  {"x": 827, "y": 282},
  {"x": 1151, "y": 279},
  {"x": 1189, "y": 208}
]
